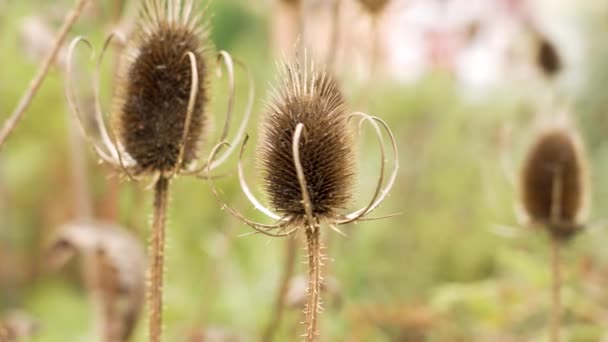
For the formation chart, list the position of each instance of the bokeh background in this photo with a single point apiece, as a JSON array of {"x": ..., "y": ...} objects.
[{"x": 463, "y": 85}]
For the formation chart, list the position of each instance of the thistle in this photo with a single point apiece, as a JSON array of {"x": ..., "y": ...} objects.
[
  {"x": 159, "y": 113},
  {"x": 554, "y": 195},
  {"x": 307, "y": 160}
]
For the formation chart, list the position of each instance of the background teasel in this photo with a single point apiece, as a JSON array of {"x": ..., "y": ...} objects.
[
  {"x": 554, "y": 181},
  {"x": 159, "y": 113},
  {"x": 555, "y": 195},
  {"x": 113, "y": 266},
  {"x": 306, "y": 157},
  {"x": 374, "y": 7}
]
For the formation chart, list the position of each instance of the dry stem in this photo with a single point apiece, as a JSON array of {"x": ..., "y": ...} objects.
[
  {"x": 157, "y": 258},
  {"x": 36, "y": 82},
  {"x": 335, "y": 35},
  {"x": 555, "y": 293},
  {"x": 289, "y": 267},
  {"x": 313, "y": 244}
]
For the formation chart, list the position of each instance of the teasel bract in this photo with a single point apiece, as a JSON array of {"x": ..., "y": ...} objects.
[
  {"x": 158, "y": 114},
  {"x": 307, "y": 160},
  {"x": 555, "y": 195}
]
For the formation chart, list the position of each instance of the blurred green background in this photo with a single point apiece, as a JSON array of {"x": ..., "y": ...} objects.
[{"x": 454, "y": 266}]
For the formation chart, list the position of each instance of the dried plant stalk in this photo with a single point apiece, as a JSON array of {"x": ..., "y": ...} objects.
[
  {"x": 36, "y": 82},
  {"x": 555, "y": 292},
  {"x": 313, "y": 304},
  {"x": 157, "y": 255}
]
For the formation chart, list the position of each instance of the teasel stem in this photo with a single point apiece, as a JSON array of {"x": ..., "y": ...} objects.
[
  {"x": 556, "y": 204},
  {"x": 313, "y": 244},
  {"x": 157, "y": 260},
  {"x": 555, "y": 293},
  {"x": 288, "y": 271},
  {"x": 36, "y": 82}
]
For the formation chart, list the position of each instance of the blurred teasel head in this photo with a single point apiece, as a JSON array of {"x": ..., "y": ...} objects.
[
  {"x": 554, "y": 181},
  {"x": 374, "y": 7},
  {"x": 548, "y": 58}
]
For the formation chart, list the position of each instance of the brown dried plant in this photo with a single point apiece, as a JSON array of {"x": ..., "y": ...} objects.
[
  {"x": 554, "y": 191},
  {"x": 307, "y": 159},
  {"x": 159, "y": 113},
  {"x": 113, "y": 264}
]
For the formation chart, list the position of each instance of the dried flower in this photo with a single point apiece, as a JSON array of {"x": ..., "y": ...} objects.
[
  {"x": 307, "y": 160},
  {"x": 553, "y": 182}
]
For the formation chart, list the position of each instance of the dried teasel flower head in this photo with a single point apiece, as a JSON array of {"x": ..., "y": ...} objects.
[
  {"x": 161, "y": 93},
  {"x": 155, "y": 87},
  {"x": 374, "y": 7},
  {"x": 310, "y": 98},
  {"x": 554, "y": 181},
  {"x": 547, "y": 57},
  {"x": 306, "y": 154},
  {"x": 113, "y": 262}
]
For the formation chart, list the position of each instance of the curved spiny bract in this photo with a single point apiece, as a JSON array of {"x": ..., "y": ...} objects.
[
  {"x": 154, "y": 86},
  {"x": 554, "y": 182},
  {"x": 326, "y": 148}
]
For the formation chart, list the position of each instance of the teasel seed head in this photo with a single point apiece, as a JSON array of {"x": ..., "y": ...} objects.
[
  {"x": 312, "y": 98},
  {"x": 154, "y": 86},
  {"x": 554, "y": 182},
  {"x": 374, "y": 7},
  {"x": 548, "y": 58}
]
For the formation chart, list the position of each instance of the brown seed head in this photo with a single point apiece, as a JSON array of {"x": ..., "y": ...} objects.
[
  {"x": 326, "y": 149},
  {"x": 155, "y": 82},
  {"x": 374, "y": 7},
  {"x": 553, "y": 182},
  {"x": 548, "y": 58}
]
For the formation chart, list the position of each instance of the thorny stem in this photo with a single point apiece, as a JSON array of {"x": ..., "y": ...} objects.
[
  {"x": 555, "y": 297},
  {"x": 288, "y": 270},
  {"x": 313, "y": 243},
  {"x": 36, "y": 82},
  {"x": 157, "y": 258}
]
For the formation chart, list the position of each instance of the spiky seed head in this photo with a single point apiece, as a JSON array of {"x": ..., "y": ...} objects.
[
  {"x": 374, "y": 7},
  {"x": 554, "y": 181},
  {"x": 547, "y": 58},
  {"x": 155, "y": 82},
  {"x": 312, "y": 98}
]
